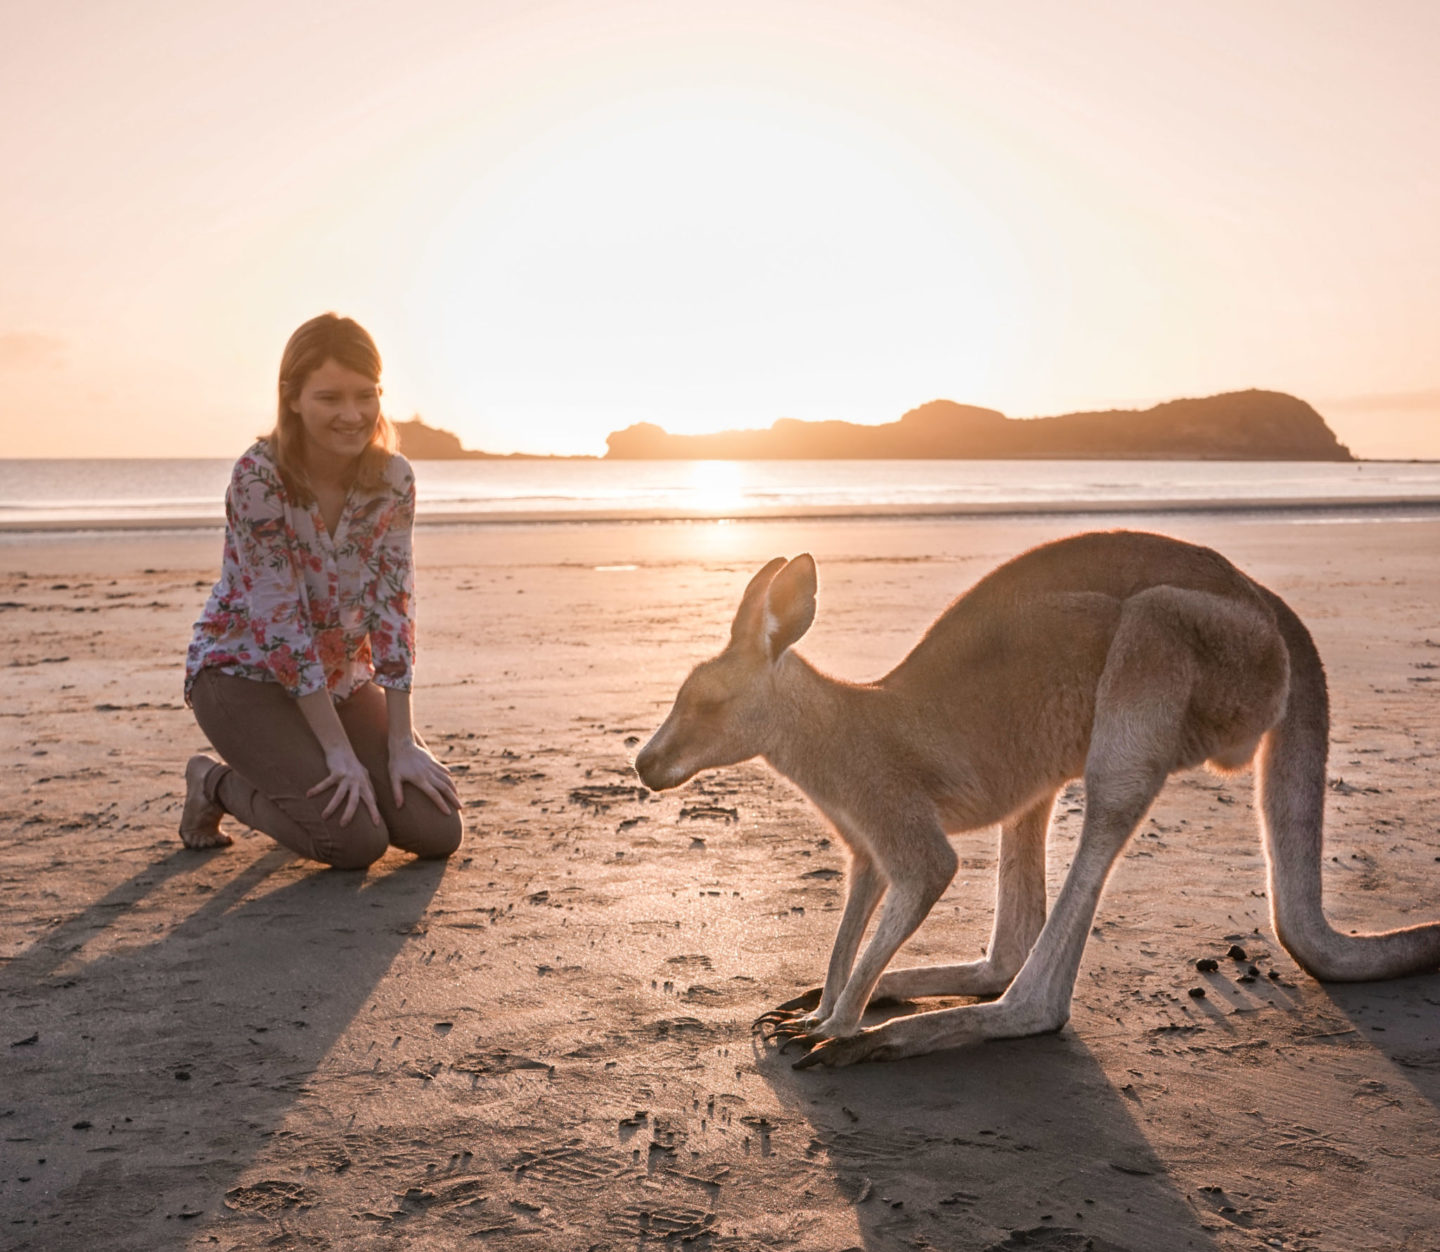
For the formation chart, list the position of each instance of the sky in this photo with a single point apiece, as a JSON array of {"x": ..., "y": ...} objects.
[{"x": 559, "y": 217}]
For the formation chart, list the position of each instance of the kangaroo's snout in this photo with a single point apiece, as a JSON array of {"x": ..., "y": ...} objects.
[
  {"x": 673, "y": 756},
  {"x": 655, "y": 762},
  {"x": 647, "y": 763}
]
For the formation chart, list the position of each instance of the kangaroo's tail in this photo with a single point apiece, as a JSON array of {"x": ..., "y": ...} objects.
[{"x": 1290, "y": 781}]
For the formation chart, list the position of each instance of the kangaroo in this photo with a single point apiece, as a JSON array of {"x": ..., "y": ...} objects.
[{"x": 1120, "y": 657}]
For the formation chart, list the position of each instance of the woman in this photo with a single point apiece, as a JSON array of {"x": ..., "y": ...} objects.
[{"x": 299, "y": 671}]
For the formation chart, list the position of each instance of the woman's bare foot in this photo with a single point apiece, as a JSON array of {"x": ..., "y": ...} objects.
[{"x": 200, "y": 819}]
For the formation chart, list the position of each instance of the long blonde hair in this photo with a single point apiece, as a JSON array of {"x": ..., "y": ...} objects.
[{"x": 347, "y": 343}]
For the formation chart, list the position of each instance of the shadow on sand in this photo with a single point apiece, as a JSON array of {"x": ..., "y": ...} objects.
[
  {"x": 1398, "y": 1019},
  {"x": 179, "y": 1056},
  {"x": 1017, "y": 1144}
]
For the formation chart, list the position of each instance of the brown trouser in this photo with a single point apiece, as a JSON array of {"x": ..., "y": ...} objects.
[{"x": 272, "y": 758}]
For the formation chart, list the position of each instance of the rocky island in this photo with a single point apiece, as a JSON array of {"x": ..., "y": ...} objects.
[{"x": 1238, "y": 425}]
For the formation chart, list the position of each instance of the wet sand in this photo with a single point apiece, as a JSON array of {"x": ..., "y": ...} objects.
[{"x": 545, "y": 1042}]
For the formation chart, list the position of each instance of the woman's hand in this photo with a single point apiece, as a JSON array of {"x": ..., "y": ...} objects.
[
  {"x": 352, "y": 783},
  {"x": 411, "y": 762}
]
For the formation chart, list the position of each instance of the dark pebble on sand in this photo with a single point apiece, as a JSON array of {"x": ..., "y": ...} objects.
[
  {"x": 182, "y": 1075},
  {"x": 82, "y": 1126},
  {"x": 1197, "y": 993},
  {"x": 1237, "y": 953},
  {"x": 1207, "y": 965}
]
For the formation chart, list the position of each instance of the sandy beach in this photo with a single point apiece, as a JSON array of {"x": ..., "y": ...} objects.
[{"x": 545, "y": 1043}]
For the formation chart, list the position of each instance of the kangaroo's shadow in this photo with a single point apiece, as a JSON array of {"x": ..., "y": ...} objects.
[
  {"x": 1399, "y": 1020},
  {"x": 161, "y": 1067},
  {"x": 1012, "y": 1144}
]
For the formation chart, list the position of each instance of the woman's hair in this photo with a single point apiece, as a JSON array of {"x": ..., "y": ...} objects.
[{"x": 325, "y": 338}]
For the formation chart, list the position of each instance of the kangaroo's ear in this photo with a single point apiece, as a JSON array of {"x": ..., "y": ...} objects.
[
  {"x": 789, "y": 605},
  {"x": 746, "y": 628}
]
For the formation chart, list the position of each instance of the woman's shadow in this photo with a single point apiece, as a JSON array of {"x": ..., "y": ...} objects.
[{"x": 161, "y": 1067}]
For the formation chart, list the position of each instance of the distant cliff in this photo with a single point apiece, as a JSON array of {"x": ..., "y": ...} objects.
[
  {"x": 420, "y": 442},
  {"x": 1239, "y": 425}
]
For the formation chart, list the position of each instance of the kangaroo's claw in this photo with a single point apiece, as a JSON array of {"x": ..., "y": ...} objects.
[
  {"x": 769, "y": 1032},
  {"x": 791, "y": 1011},
  {"x": 791, "y": 1030},
  {"x": 806, "y": 1000},
  {"x": 787, "y": 1029}
]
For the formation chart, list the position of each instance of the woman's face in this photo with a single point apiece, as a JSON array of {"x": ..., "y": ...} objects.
[{"x": 338, "y": 409}]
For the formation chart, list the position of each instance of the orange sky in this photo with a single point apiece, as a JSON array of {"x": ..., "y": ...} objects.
[{"x": 559, "y": 218}]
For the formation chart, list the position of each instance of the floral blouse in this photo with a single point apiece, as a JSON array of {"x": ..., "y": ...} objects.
[{"x": 299, "y": 608}]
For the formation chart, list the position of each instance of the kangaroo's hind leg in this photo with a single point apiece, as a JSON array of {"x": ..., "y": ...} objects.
[{"x": 1019, "y": 916}]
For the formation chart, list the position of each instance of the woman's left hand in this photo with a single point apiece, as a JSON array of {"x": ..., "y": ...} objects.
[{"x": 411, "y": 762}]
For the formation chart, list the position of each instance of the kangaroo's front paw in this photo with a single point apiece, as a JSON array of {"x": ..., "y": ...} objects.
[
  {"x": 789, "y": 1028},
  {"x": 784, "y": 1017},
  {"x": 805, "y": 1002},
  {"x": 810, "y": 1031}
]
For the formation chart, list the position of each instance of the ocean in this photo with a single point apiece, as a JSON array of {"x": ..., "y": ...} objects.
[{"x": 177, "y": 494}]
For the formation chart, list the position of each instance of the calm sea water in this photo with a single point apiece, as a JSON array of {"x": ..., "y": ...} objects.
[{"x": 146, "y": 492}]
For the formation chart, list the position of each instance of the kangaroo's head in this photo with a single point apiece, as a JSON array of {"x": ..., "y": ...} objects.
[{"x": 724, "y": 709}]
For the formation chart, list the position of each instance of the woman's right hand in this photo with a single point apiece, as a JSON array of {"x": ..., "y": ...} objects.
[{"x": 353, "y": 787}]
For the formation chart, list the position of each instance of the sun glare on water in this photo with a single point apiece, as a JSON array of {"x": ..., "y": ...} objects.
[{"x": 716, "y": 486}]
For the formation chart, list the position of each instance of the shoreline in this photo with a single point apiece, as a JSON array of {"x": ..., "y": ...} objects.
[{"x": 1309, "y": 506}]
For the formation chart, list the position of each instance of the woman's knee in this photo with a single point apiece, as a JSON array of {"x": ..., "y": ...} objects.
[
  {"x": 356, "y": 846},
  {"x": 433, "y": 836}
]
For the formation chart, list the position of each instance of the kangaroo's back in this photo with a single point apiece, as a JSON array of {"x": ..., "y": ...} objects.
[
  {"x": 1058, "y": 606},
  {"x": 1006, "y": 679},
  {"x": 1116, "y": 564}
]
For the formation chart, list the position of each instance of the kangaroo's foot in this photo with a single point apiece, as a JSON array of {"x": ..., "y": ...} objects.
[
  {"x": 798, "y": 1019},
  {"x": 200, "y": 818},
  {"x": 929, "y": 1032}
]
